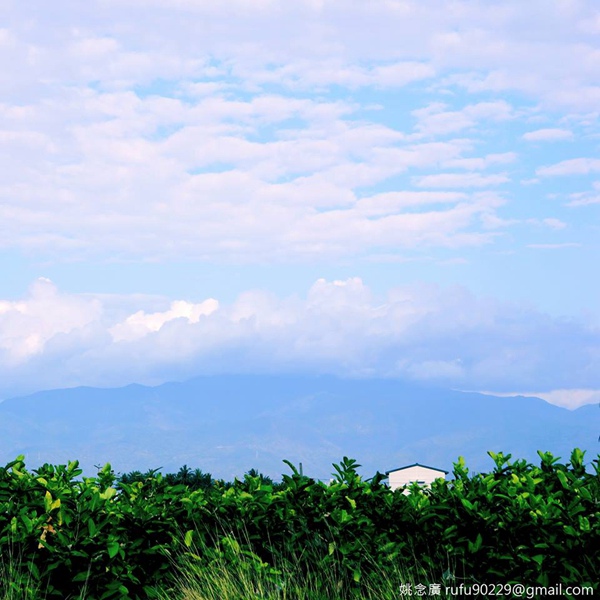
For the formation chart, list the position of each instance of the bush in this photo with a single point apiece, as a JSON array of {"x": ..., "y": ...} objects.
[{"x": 106, "y": 538}]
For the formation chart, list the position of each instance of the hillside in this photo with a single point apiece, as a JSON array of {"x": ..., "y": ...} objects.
[{"x": 228, "y": 424}]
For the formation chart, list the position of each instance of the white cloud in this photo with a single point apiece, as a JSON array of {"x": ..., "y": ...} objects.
[
  {"x": 459, "y": 180},
  {"x": 573, "y": 166},
  {"x": 163, "y": 178},
  {"x": 271, "y": 132},
  {"x": 301, "y": 75},
  {"x": 548, "y": 135},
  {"x": 549, "y": 222},
  {"x": 141, "y": 323},
  {"x": 422, "y": 331},
  {"x": 27, "y": 325},
  {"x": 488, "y": 48},
  {"x": 391, "y": 202},
  {"x": 434, "y": 120},
  {"x": 199, "y": 129},
  {"x": 585, "y": 198},
  {"x": 479, "y": 164},
  {"x": 554, "y": 223},
  {"x": 558, "y": 246},
  {"x": 584, "y": 201}
]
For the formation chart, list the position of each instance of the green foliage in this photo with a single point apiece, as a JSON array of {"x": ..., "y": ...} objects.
[
  {"x": 105, "y": 537},
  {"x": 194, "y": 479}
]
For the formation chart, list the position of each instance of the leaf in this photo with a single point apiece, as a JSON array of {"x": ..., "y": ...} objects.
[
  {"x": 577, "y": 458},
  {"x": 585, "y": 493},
  {"x": 108, "y": 493},
  {"x": 563, "y": 479},
  {"x": 584, "y": 523},
  {"x": 27, "y": 522},
  {"x": 476, "y": 545},
  {"x": 466, "y": 504},
  {"x": 189, "y": 538},
  {"x": 113, "y": 549}
]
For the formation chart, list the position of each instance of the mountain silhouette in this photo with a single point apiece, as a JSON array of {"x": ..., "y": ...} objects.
[{"x": 229, "y": 424}]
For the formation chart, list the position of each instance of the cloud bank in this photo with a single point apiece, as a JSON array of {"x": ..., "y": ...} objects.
[
  {"x": 428, "y": 333},
  {"x": 252, "y": 131}
]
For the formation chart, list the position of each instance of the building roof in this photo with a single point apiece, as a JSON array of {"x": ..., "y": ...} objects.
[{"x": 416, "y": 465}]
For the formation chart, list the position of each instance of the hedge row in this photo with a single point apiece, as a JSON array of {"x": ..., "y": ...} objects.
[{"x": 124, "y": 538}]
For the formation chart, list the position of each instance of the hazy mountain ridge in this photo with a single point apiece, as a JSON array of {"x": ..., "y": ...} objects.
[{"x": 229, "y": 424}]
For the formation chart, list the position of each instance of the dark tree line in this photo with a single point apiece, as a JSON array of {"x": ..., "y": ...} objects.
[{"x": 194, "y": 479}]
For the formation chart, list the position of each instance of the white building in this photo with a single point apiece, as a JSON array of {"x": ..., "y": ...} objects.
[{"x": 420, "y": 474}]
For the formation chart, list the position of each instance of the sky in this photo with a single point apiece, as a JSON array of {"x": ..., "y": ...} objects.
[{"x": 392, "y": 188}]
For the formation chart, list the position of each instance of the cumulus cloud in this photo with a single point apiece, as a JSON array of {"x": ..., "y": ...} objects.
[
  {"x": 28, "y": 325},
  {"x": 422, "y": 332},
  {"x": 141, "y": 323}
]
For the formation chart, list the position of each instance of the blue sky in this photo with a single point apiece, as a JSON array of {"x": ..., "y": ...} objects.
[{"x": 368, "y": 189}]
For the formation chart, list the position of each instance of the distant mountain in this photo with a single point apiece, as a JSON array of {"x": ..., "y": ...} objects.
[{"x": 227, "y": 425}]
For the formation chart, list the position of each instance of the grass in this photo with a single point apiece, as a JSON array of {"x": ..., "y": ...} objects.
[
  {"x": 15, "y": 585},
  {"x": 240, "y": 575},
  {"x": 224, "y": 582},
  {"x": 235, "y": 574}
]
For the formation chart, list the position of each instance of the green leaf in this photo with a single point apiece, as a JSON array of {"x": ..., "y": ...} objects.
[
  {"x": 585, "y": 493},
  {"x": 108, "y": 493},
  {"x": 189, "y": 538},
  {"x": 584, "y": 523},
  {"x": 27, "y": 522},
  {"x": 113, "y": 549},
  {"x": 466, "y": 504},
  {"x": 570, "y": 530},
  {"x": 563, "y": 479},
  {"x": 476, "y": 545}
]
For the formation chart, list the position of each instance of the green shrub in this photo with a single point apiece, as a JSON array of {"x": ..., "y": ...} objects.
[{"x": 101, "y": 538}]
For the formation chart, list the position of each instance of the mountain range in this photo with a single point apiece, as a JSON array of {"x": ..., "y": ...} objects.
[{"x": 228, "y": 424}]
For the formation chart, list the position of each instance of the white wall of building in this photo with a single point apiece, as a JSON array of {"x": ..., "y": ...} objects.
[{"x": 418, "y": 473}]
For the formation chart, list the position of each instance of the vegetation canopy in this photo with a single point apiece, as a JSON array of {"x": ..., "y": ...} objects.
[{"x": 140, "y": 535}]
